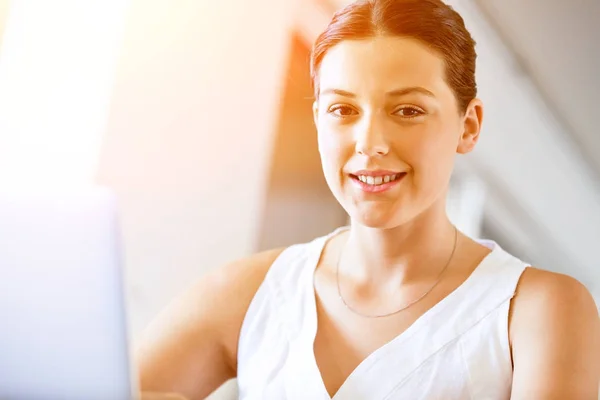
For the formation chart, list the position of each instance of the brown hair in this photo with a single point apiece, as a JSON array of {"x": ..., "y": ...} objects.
[{"x": 432, "y": 22}]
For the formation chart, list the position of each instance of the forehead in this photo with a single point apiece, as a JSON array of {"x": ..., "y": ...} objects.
[{"x": 382, "y": 63}]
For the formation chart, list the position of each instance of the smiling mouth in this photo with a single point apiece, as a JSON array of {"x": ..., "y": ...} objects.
[{"x": 377, "y": 180}]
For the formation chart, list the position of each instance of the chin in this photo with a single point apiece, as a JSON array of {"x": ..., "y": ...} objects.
[{"x": 376, "y": 219}]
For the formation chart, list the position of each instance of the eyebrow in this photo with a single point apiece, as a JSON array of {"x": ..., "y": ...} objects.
[{"x": 393, "y": 93}]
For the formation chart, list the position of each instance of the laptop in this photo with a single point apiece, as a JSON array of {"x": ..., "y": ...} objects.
[{"x": 63, "y": 330}]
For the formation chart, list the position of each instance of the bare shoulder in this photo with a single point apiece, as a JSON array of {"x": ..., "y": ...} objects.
[
  {"x": 241, "y": 277},
  {"x": 191, "y": 347},
  {"x": 555, "y": 337},
  {"x": 228, "y": 291},
  {"x": 538, "y": 287},
  {"x": 552, "y": 296}
]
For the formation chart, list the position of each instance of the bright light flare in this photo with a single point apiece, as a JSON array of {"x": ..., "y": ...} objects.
[{"x": 57, "y": 65}]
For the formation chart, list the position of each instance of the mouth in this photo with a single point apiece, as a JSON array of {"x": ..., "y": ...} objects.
[{"x": 376, "y": 183}]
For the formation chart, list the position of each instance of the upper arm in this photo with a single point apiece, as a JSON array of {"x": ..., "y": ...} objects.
[
  {"x": 555, "y": 336},
  {"x": 191, "y": 347}
]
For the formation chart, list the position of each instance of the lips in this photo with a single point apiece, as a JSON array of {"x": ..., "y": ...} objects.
[
  {"x": 376, "y": 183},
  {"x": 377, "y": 180}
]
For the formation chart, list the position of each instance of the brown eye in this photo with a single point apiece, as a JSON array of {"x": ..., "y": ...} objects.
[
  {"x": 342, "y": 111},
  {"x": 409, "y": 112}
]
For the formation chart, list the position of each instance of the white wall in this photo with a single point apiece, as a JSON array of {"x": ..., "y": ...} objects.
[
  {"x": 189, "y": 137},
  {"x": 56, "y": 73},
  {"x": 564, "y": 63},
  {"x": 529, "y": 159},
  {"x": 4, "y": 8}
]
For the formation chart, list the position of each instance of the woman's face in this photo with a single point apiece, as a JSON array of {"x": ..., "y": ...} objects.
[{"x": 389, "y": 128}]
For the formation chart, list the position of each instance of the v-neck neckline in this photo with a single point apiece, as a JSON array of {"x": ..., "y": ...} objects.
[{"x": 370, "y": 360}]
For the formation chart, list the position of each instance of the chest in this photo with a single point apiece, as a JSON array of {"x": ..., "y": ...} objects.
[
  {"x": 346, "y": 342},
  {"x": 426, "y": 353}
]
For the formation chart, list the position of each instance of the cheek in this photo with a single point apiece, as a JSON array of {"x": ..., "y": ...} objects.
[
  {"x": 430, "y": 152},
  {"x": 332, "y": 150},
  {"x": 431, "y": 156}
]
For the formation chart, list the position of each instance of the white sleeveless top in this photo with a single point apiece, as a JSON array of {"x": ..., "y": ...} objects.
[{"x": 459, "y": 349}]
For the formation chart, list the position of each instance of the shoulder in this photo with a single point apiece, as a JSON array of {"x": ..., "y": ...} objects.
[
  {"x": 229, "y": 291},
  {"x": 245, "y": 274},
  {"x": 551, "y": 296},
  {"x": 555, "y": 332},
  {"x": 191, "y": 346},
  {"x": 551, "y": 300}
]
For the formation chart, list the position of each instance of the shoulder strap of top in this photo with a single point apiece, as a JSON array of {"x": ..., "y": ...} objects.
[
  {"x": 294, "y": 262},
  {"x": 491, "y": 284},
  {"x": 280, "y": 298}
]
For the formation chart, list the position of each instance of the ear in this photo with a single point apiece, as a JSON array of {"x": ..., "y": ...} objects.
[
  {"x": 315, "y": 109},
  {"x": 471, "y": 127}
]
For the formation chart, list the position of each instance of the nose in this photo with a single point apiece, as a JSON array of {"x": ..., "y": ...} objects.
[{"x": 370, "y": 138}]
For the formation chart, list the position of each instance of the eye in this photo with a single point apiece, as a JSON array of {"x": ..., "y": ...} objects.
[
  {"x": 341, "y": 111},
  {"x": 409, "y": 112}
]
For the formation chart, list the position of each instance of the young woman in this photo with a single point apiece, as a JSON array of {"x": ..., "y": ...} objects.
[{"x": 400, "y": 305}]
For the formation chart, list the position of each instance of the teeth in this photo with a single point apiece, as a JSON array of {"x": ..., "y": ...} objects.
[{"x": 377, "y": 180}]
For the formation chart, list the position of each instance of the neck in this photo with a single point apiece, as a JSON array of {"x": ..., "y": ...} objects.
[{"x": 418, "y": 249}]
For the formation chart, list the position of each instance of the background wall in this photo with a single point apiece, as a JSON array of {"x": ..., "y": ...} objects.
[{"x": 189, "y": 138}]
